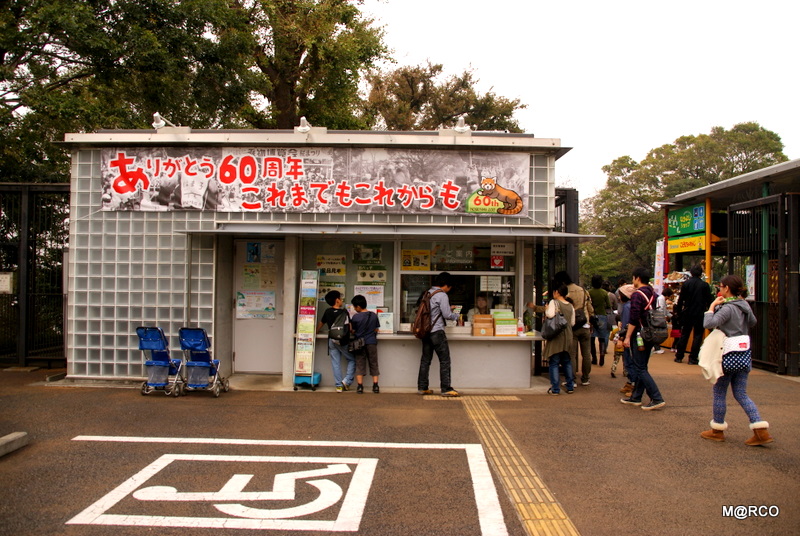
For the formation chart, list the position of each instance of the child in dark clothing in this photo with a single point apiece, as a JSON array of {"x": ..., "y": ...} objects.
[{"x": 365, "y": 325}]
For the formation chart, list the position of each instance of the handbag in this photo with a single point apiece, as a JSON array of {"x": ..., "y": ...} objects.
[
  {"x": 357, "y": 344},
  {"x": 552, "y": 326}
]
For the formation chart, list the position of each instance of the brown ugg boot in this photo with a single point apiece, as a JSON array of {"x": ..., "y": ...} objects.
[
  {"x": 760, "y": 434},
  {"x": 628, "y": 387},
  {"x": 717, "y": 432}
]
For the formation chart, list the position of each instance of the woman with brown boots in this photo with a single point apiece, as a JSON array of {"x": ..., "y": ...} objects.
[{"x": 731, "y": 314}]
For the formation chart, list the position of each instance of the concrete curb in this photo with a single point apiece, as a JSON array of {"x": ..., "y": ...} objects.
[{"x": 12, "y": 442}]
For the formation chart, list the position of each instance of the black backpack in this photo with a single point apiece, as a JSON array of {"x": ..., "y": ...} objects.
[
  {"x": 422, "y": 322},
  {"x": 340, "y": 328},
  {"x": 654, "y": 326}
]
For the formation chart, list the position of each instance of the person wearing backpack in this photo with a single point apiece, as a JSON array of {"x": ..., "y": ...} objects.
[
  {"x": 338, "y": 347},
  {"x": 436, "y": 340},
  {"x": 644, "y": 296},
  {"x": 365, "y": 328}
]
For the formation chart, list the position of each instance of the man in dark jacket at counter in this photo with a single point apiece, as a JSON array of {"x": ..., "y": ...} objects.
[
  {"x": 436, "y": 339},
  {"x": 642, "y": 297},
  {"x": 694, "y": 299}
]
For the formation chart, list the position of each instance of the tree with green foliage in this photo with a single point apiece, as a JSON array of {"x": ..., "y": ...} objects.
[
  {"x": 309, "y": 56},
  {"x": 626, "y": 209},
  {"x": 422, "y": 98},
  {"x": 69, "y": 66}
]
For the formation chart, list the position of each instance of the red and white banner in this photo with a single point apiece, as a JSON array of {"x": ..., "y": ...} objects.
[{"x": 315, "y": 180}]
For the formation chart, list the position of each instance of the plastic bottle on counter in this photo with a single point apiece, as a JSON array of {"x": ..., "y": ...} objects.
[{"x": 520, "y": 328}]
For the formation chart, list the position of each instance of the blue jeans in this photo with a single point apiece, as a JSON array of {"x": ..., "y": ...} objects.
[
  {"x": 561, "y": 358},
  {"x": 437, "y": 341},
  {"x": 627, "y": 361},
  {"x": 644, "y": 382},
  {"x": 738, "y": 381},
  {"x": 336, "y": 352}
]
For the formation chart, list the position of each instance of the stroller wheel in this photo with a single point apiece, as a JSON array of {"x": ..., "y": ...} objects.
[
  {"x": 217, "y": 389},
  {"x": 144, "y": 388},
  {"x": 226, "y": 385},
  {"x": 176, "y": 390}
]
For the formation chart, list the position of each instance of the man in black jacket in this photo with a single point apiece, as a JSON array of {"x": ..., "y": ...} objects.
[{"x": 694, "y": 300}]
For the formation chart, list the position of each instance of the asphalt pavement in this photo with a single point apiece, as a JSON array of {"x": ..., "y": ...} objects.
[{"x": 306, "y": 462}]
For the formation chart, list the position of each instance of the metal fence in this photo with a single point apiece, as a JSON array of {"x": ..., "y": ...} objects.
[{"x": 34, "y": 231}]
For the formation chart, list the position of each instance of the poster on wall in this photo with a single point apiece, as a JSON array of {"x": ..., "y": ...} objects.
[
  {"x": 367, "y": 253},
  {"x": 255, "y": 304},
  {"x": 750, "y": 281},
  {"x": 372, "y": 274},
  {"x": 373, "y": 294},
  {"x": 251, "y": 276},
  {"x": 327, "y": 286},
  {"x": 332, "y": 265},
  {"x": 416, "y": 259},
  {"x": 316, "y": 180}
]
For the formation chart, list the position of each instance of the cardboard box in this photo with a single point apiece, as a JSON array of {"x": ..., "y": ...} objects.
[
  {"x": 505, "y": 327},
  {"x": 482, "y": 330}
]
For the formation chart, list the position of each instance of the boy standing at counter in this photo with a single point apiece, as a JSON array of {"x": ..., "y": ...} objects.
[
  {"x": 436, "y": 339},
  {"x": 365, "y": 325},
  {"x": 335, "y": 348}
]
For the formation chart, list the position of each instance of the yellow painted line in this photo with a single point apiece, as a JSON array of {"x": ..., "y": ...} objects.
[{"x": 541, "y": 514}]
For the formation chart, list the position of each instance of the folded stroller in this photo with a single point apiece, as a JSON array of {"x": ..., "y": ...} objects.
[
  {"x": 202, "y": 371},
  {"x": 163, "y": 373}
]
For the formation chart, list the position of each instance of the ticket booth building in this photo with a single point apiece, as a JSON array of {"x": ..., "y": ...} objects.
[{"x": 175, "y": 227}]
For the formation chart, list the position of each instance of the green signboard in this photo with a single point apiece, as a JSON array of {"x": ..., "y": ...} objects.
[{"x": 687, "y": 220}]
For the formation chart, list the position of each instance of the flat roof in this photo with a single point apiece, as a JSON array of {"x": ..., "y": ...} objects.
[
  {"x": 399, "y": 231},
  {"x": 321, "y": 136},
  {"x": 782, "y": 178}
]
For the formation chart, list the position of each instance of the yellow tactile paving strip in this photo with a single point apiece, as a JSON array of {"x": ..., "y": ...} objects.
[{"x": 540, "y": 512}]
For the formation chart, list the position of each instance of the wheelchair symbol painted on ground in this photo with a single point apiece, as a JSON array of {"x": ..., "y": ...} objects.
[{"x": 312, "y": 494}]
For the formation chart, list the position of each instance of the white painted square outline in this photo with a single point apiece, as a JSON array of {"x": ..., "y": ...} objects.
[
  {"x": 490, "y": 515},
  {"x": 348, "y": 520}
]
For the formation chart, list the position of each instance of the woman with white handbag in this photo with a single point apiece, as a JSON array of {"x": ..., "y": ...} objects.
[{"x": 732, "y": 315}]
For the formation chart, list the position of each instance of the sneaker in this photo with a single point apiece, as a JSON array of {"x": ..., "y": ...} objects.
[
  {"x": 551, "y": 392},
  {"x": 451, "y": 392},
  {"x": 375, "y": 388},
  {"x": 585, "y": 382},
  {"x": 339, "y": 389},
  {"x": 654, "y": 405},
  {"x": 660, "y": 351},
  {"x": 425, "y": 392},
  {"x": 569, "y": 392},
  {"x": 360, "y": 389},
  {"x": 631, "y": 401},
  {"x": 345, "y": 387},
  {"x": 678, "y": 360}
]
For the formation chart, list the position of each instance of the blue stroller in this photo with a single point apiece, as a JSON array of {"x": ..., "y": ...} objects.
[
  {"x": 202, "y": 371},
  {"x": 163, "y": 373}
]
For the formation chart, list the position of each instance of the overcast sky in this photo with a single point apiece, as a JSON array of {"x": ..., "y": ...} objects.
[{"x": 614, "y": 78}]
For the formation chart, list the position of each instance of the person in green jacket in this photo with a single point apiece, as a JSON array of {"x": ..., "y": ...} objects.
[{"x": 600, "y": 328}]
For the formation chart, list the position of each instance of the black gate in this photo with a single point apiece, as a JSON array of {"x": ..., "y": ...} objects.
[
  {"x": 34, "y": 231},
  {"x": 763, "y": 236}
]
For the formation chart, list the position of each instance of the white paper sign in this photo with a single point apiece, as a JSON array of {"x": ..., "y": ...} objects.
[{"x": 373, "y": 294}]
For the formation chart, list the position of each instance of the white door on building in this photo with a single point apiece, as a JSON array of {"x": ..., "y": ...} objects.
[{"x": 258, "y": 311}]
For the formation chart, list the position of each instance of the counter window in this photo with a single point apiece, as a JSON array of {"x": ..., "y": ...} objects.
[{"x": 483, "y": 275}]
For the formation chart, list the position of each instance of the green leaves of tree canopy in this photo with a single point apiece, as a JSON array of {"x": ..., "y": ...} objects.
[
  {"x": 625, "y": 210},
  {"x": 420, "y": 98}
]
